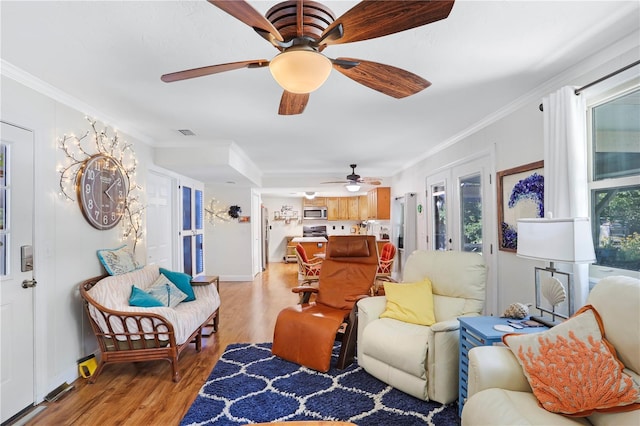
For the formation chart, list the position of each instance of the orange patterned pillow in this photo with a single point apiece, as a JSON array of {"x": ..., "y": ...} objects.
[{"x": 573, "y": 370}]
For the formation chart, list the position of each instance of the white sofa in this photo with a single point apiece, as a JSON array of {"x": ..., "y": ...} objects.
[
  {"x": 499, "y": 393},
  {"x": 423, "y": 360},
  {"x": 127, "y": 333}
]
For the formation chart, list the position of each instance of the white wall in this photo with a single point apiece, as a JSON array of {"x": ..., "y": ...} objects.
[
  {"x": 64, "y": 243},
  {"x": 228, "y": 250}
]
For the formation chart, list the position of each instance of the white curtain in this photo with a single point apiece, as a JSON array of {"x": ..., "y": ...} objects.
[{"x": 565, "y": 168}]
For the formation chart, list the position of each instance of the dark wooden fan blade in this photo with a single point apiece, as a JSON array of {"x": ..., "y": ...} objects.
[
  {"x": 293, "y": 103},
  {"x": 386, "y": 79},
  {"x": 244, "y": 12},
  {"x": 213, "y": 69},
  {"x": 375, "y": 18}
]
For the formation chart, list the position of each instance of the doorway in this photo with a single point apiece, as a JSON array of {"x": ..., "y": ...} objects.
[
  {"x": 161, "y": 208},
  {"x": 460, "y": 214},
  {"x": 192, "y": 227},
  {"x": 17, "y": 270}
]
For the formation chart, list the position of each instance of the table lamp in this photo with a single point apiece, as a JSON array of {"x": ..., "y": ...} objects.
[{"x": 555, "y": 240}]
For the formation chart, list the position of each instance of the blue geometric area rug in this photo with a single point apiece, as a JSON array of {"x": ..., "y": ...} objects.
[{"x": 250, "y": 385}]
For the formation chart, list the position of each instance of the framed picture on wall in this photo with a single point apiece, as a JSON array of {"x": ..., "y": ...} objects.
[{"x": 520, "y": 195}]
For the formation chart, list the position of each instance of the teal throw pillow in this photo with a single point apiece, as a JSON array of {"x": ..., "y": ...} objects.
[
  {"x": 182, "y": 281},
  {"x": 142, "y": 299},
  {"x": 166, "y": 292}
]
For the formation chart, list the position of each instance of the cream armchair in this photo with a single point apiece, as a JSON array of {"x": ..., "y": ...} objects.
[
  {"x": 423, "y": 360},
  {"x": 499, "y": 393}
]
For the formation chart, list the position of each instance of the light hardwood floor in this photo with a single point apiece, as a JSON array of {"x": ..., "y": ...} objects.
[{"x": 143, "y": 393}]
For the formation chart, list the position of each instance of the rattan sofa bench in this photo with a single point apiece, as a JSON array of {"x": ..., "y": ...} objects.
[{"x": 130, "y": 334}]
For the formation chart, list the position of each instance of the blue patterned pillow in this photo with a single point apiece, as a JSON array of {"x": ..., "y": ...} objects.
[
  {"x": 166, "y": 292},
  {"x": 142, "y": 299},
  {"x": 182, "y": 281},
  {"x": 118, "y": 261}
]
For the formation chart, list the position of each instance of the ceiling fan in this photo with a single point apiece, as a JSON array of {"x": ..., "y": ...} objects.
[
  {"x": 301, "y": 30},
  {"x": 353, "y": 181}
]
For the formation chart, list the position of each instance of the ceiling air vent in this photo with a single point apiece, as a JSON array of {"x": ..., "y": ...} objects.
[{"x": 186, "y": 132}]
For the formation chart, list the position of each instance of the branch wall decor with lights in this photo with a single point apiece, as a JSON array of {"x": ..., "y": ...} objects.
[
  {"x": 215, "y": 212},
  {"x": 99, "y": 172}
]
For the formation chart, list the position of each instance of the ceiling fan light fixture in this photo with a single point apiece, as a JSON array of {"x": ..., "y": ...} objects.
[
  {"x": 300, "y": 70},
  {"x": 310, "y": 195},
  {"x": 352, "y": 187}
]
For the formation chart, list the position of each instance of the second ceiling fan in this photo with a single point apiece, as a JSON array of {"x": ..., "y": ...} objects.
[
  {"x": 301, "y": 30},
  {"x": 354, "y": 180}
]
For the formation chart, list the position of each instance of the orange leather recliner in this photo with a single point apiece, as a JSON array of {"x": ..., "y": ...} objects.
[{"x": 305, "y": 333}]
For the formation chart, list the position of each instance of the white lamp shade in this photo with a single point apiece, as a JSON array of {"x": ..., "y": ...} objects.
[
  {"x": 556, "y": 240},
  {"x": 300, "y": 70},
  {"x": 352, "y": 187}
]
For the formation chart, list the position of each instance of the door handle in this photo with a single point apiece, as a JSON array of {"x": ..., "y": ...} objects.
[{"x": 29, "y": 283}]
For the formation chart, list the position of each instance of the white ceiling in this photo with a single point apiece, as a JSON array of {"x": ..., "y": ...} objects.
[{"x": 109, "y": 55}]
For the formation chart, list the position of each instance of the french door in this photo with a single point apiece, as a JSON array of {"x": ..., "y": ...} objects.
[
  {"x": 192, "y": 229},
  {"x": 460, "y": 211}
]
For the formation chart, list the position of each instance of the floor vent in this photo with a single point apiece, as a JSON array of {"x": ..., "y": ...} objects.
[{"x": 58, "y": 392}]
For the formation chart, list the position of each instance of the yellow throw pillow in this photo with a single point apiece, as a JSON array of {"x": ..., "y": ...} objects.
[
  {"x": 573, "y": 369},
  {"x": 410, "y": 302}
]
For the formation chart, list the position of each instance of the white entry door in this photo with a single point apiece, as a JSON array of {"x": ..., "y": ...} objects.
[
  {"x": 16, "y": 276},
  {"x": 161, "y": 206}
]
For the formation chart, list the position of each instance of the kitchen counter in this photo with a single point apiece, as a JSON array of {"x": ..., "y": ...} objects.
[{"x": 309, "y": 240}]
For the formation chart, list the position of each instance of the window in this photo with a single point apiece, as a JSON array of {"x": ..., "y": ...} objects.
[
  {"x": 471, "y": 213},
  {"x": 614, "y": 130}
]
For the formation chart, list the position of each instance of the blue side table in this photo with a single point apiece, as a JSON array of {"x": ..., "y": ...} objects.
[{"x": 479, "y": 331}]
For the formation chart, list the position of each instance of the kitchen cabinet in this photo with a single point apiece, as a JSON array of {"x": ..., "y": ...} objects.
[
  {"x": 333, "y": 208},
  {"x": 315, "y": 202},
  {"x": 363, "y": 207},
  {"x": 343, "y": 208},
  {"x": 379, "y": 203},
  {"x": 353, "y": 208}
]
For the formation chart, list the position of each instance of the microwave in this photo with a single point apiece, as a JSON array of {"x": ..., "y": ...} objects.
[{"x": 315, "y": 213}]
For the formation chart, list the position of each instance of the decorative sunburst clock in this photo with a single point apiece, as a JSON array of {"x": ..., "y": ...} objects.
[{"x": 99, "y": 173}]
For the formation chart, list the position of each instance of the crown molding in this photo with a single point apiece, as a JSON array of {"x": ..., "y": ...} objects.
[
  {"x": 628, "y": 44},
  {"x": 9, "y": 70}
]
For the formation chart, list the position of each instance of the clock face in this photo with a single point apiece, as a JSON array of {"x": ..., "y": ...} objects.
[{"x": 102, "y": 191}]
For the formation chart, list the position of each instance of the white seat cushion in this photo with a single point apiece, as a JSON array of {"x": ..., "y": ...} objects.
[{"x": 401, "y": 345}]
